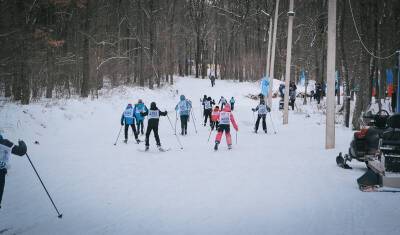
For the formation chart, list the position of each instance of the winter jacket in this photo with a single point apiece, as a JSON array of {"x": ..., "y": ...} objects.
[
  {"x": 222, "y": 101},
  {"x": 7, "y": 148},
  {"x": 215, "y": 115},
  {"x": 140, "y": 108},
  {"x": 184, "y": 106},
  {"x": 128, "y": 116},
  {"x": 154, "y": 115},
  {"x": 225, "y": 117},
  {"x": 208, "y": 103},
  {"x": 262, "y": 109}
]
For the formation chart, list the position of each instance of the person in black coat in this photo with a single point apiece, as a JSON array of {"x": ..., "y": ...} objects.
[
  {"x": 6, "y": 149},
  {"x": 152, "y": 125}
]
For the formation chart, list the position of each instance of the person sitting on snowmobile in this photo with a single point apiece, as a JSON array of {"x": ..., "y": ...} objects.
[
  {"x": 222, "y": 101},
  {"x": 225, "y": 118},
  {"x": 214, "y": 118},
  {"x": 140, "y": 107},
  {"x": 208, "y": 103},
  {"x": 184, "y": 106},
  {"x": 6, "y": 149},
  {"x": 232, "y": 102},
  {"x": 128, "y": 118},
  {"x": 152, "y": 124},
  {"x": 262, "y": 109}
]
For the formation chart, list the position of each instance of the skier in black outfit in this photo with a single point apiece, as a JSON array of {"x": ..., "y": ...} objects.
[
  {"x": 208, "y": 103},
  {"x": 262, "y": 109},
  {"x": 152, "y": 125},
  {"x": 6, "y": 149}
]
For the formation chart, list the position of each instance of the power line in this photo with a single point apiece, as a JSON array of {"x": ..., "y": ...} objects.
[{"x": 361, "y": 41}]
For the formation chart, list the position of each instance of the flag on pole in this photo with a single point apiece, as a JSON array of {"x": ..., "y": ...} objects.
[
  {"x": 389, "y": 82},
  {"x": 265, "y": 86}
]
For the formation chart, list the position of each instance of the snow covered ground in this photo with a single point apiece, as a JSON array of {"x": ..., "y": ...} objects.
[{"x": 284, "y": 183}]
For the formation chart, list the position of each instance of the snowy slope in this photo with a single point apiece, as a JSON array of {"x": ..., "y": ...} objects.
[{"x": 268, "y": 184}]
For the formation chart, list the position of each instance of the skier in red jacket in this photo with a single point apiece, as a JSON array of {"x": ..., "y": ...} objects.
[{"x": 225, "y": 118}]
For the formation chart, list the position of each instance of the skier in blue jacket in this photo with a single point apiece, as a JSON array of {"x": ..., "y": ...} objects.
[
  {"x": 140, "y": 107},
  {"x": 128, "y": 119},
  {"x": 184, "y": 106}
]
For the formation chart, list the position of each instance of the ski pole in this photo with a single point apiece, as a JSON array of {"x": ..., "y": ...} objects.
[
  {"x": 236, "y": 136},
  {"x": 254, "y": 119},
  {"x": 176, "y": 120},
  {"x": 209, "y": 135},
  {"x": 58, "y": 213},
  {"x": 118, "y": 136},
  {"x": 273, "y": 126},
  {"x": 194, "y": 124},
  {"x": 177, "y": 138}
]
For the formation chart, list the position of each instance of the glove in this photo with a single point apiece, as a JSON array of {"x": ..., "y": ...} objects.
[
  {"x": 253, "y": 110},
  {"x": 166, "y": 112},
  {"x": 19, "y": 150},
  {"x": 268, "y": 109},
  {"x": 122, "y": 123}
]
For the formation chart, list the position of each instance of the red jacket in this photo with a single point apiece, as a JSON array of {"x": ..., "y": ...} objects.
[{"x": 215, "y": 115}]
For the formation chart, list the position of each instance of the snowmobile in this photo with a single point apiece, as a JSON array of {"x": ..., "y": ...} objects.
[
  {"x": 365, "y": 143},
  {"x": 384, "y": 170}
]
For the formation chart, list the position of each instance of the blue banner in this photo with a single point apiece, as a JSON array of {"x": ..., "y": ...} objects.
[
  {"x": 265, "y": 86},
  {"x": 302, "y": 78}
]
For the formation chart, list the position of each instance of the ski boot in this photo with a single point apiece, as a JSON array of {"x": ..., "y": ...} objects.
[
  {"x": 146, "y": 148},
  {"x": 216, "y": 145},
  {"x": 125, "y": 141},
  {"x": 229, "y": 146},
  {"x": 137, "y": 141},
  {"x": 265, "y": 131},
  {"x": 255, "y": 130},
  {"x": 160, "y": 148}
]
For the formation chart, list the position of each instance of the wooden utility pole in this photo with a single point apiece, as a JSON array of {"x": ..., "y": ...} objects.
[
  {"x": 272, "y": 65},
  {"x": 330, "y": 70},
  {"x": 288, "y": 62}
]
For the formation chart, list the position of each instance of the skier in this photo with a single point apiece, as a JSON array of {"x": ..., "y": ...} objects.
[
  {"x": 222, "y": 101},
  {"x": 262, "y": 109},
  {"x": 292, "y": 94},
  {"x": 184, "y": 106},
  {"x": 152, "y": 125},
  {"x": 212, "y": 79},
  {"x": 232, "y": 102},
  {"x": 140, "y": 107},
  {"x": 318, "y": 92},
  {"x": 225, "y": 118},
  {"x": 208, "y": 103},
  {"x": 6, "y": 149},
  {"x": 128, "y": 118},
  {"x": 214, "y": 118}
]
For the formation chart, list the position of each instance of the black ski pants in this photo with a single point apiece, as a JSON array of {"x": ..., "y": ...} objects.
[
  {"x": 153, "y": 128},
  {"x": 264, "y": 124},
  {"x": 184, "y": 123},
  {"x": 3, "y": 173},
  {"x": 207, "y": 115},
  {"x": 133, "y": 129}
]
